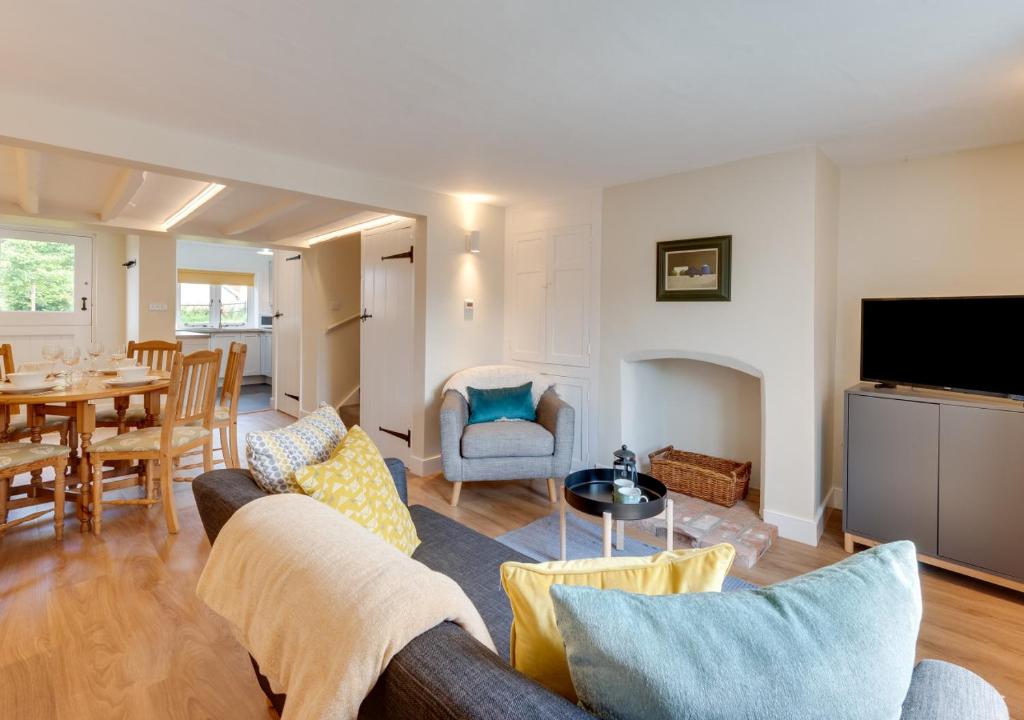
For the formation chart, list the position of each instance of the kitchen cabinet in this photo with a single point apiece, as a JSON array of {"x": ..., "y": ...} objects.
[{"x": 267, "y": 354}]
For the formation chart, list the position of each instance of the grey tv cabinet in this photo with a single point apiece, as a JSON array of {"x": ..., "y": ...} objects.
[{"x": 943, "y": 469}]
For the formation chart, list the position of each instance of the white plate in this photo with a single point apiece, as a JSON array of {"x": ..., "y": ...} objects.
[
  {"x": 10, "y": 389},
  {"x": 132, "y": 382}
]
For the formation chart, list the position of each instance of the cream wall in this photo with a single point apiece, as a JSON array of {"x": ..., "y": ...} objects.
[
  {"x": 157, "y": 271},
  {"x": 446, "y": 341},
  {"x": 767, "y": 204},
  {"x": 946, "y": 225}
]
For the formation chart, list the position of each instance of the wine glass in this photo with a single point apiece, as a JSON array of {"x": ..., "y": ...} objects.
[
  {"x": 72, "y": 356},
  {"x": 95, "y": 350},
  {"x": 51, "y": 352},
  {"x": 118, "y": 354}
]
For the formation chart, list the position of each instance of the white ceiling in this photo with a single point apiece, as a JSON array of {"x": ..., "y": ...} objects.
[
  {"x": 518, "y": 98},
  {"x": 69, "y": 187}
]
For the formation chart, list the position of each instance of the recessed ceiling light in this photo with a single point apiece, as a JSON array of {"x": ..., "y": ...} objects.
[
  {"x": 204, "y": 196},
  {"x": 358, "y": 227}
]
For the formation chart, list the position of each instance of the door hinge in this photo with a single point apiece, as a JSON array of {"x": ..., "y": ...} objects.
[
  {"x": 365, "y": 316},
  {"x": 398, "y": 255},
  {"x": 293, "y": 257},
  {"x": 293, "y": 397},
  {"x": 406, "y": 436}
]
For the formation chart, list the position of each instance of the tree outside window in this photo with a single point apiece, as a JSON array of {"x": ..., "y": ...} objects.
[{"x": 36, "y": 276}]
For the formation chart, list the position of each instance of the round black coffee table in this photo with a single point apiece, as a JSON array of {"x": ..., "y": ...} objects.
[{"x": 591, "y": 493}]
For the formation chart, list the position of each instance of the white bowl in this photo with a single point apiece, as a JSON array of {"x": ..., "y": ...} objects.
[
  {"x": 27, "y": 379},
  {"x": 133, "y": 373}
]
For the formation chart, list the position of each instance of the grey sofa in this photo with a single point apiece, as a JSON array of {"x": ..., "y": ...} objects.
[
  {"x": 506, "y": 450},
  {"x": 444, "y": 674}
]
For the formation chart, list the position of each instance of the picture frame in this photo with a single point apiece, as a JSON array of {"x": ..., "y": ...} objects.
[{"x": 694, "y": 269}]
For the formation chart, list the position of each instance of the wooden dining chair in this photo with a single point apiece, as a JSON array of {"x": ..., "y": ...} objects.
[
  {"x": 18, "y": 427},
  {"x": 17, "y": 458},
  {"x": 157, "y": 354},
  {"x": 188, "y": 417},
  {"x": 225, "y": 414}
]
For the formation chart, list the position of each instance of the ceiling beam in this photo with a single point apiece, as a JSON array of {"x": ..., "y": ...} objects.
[
  {"x": 125, "y": 187},
  {"x": 261, "y": 216},
  {"x": 27, "y": 169}
]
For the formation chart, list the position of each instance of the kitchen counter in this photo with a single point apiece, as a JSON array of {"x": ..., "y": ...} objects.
[{"x": 204, "y": 332}]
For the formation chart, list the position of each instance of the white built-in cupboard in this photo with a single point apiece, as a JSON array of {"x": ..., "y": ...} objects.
[
  {"x": 552, "y": 302},
  {"x": 258, "y": 343}
]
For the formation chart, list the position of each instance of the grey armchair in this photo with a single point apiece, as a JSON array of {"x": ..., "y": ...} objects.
[{"x": 506, "y": 450}]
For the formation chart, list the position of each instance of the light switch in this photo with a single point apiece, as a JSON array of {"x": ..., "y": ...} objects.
[
  {"x": 158, "y": 307},
  {"x": 467, "y": 309}
]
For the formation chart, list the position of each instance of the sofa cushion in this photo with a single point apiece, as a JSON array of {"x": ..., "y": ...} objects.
[
  {"x": 836, "y": 642},
  {"x": 473, "y": 561},
  {"x": 507, "y": 439},
  {"x": 537, "y": 649},
  {"x": 273, "y": 456},
  {"x": 356, "y": 482}
]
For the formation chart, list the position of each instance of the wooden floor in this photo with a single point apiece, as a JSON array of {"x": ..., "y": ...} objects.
[{"x": 111, "y": 627}]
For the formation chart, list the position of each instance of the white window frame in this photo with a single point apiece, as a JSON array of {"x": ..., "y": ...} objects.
[
  {"x": 215, "y": 320},
  {"x": 82, "y": 243}
]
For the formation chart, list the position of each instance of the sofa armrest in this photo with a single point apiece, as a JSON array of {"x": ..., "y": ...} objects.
[
  {"x": 559, "y": 418},
  {"x": 943, "y": 691},
  {"x": 454, "y": 417},
  {"x": 219, "y": 493}
]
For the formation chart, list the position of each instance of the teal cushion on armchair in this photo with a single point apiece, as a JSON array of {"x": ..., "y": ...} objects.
[
  {"x": 511, "y": 403},
  {"x": 838, "y": 642}
]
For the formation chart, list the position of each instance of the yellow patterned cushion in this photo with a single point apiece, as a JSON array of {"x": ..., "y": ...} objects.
[
  {"x": 50, "y": 424},
  {"x": 134, "y": 414},
  {"x": 147, "y": 440},
  {"x": 13, "y": 454},
  {"x": 357, "y": 483},
  {"x": 536, "y": 644}
]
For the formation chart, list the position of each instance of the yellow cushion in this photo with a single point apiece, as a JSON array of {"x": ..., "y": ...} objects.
[
  {"x": 356, "y": 482},
  {"x": 18, "y": 453},
  {"x": 536, "y": 645},
  {"x": 147, "y": 440}
]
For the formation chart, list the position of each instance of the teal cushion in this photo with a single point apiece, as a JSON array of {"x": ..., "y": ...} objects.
[
  {"x": 512, "y": 403},
  {"x": 838, "y": 642}
]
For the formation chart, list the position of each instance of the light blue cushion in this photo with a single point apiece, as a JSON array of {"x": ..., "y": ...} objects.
[
  {"x": 835, "y": 643},
  {"x": 512, "y": 403}
]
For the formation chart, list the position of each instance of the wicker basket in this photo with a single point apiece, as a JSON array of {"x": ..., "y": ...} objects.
[{"x": 723, "y": 482}]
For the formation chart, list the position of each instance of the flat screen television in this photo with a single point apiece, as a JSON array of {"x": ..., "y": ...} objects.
[{"x": 967, "y": 344}]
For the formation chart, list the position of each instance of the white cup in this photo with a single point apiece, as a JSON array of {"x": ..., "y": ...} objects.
[
  {"x": 621, "y": 483},
  {"x": 630, "y": 496},
  {"x": 27, "y": 379},
  {"x": 134, "y": 372}
]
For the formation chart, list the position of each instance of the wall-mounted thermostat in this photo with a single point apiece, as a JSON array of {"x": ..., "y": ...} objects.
[{"x": 467, "y": 304}]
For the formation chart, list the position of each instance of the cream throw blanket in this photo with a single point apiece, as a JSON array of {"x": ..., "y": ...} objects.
[{"x": 321, "y": 603}]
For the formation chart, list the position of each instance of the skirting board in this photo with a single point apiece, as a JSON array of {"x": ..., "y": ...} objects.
[
  {"x": 425, "y": 467},
  {"x": 805, "y": 531}
]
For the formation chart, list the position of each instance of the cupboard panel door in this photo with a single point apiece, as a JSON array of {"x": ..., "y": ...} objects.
[
  {"x": 529, "y": 297},
  {"x": 252, "y": 354},
  {"x": 981, "y": 488},
  {"x": 568, "y": 341},
  {"x": 892, "y": 468}
]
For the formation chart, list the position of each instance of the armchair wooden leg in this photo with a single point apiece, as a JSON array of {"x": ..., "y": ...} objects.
[
  {"x": 552, "y": 490},
  {"x": 456, "y": 490}
]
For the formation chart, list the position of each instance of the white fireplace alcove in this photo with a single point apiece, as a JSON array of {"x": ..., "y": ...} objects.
[{"x": 696, "y": 401}]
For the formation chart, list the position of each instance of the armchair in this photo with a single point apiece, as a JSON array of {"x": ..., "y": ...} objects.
[{"x": 506, "y": 450}]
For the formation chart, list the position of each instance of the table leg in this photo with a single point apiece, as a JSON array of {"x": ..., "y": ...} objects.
[
  {"x": 670, "y": 524},
  {"x": 85, "y": 418},
  {"x": 561, "y": 528},
  {"x": 620, "y": 534},
  {"x": 152, "y": 403},
  {"x": 35, "y": 421},
  {"x": 607, "y": 535}
]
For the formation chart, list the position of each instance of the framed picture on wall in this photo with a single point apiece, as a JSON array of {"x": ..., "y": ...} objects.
[{"x": 696, "y": 269}]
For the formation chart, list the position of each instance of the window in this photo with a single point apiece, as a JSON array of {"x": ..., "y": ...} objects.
[
  {"x": 44, "y": 277},
  {"x": 209, "y": 298}
]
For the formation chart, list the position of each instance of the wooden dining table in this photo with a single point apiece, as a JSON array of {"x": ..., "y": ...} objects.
[{"x": 77, "y": 402}]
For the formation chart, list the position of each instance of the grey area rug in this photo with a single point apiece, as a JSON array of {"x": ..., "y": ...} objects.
[{"x": 540, "y": 540}]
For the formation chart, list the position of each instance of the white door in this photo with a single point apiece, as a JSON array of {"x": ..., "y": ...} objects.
[
  {"x": 529, "y": 297},
  {"x": 252, "y": 354},
  {"x": 386, "y": 339},
  {"x": 568, "y": 339},
  {"x": 287, "y": 330}
]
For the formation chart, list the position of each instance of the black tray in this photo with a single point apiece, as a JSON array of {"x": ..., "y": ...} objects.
[{"x": 590, "y": 492}]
